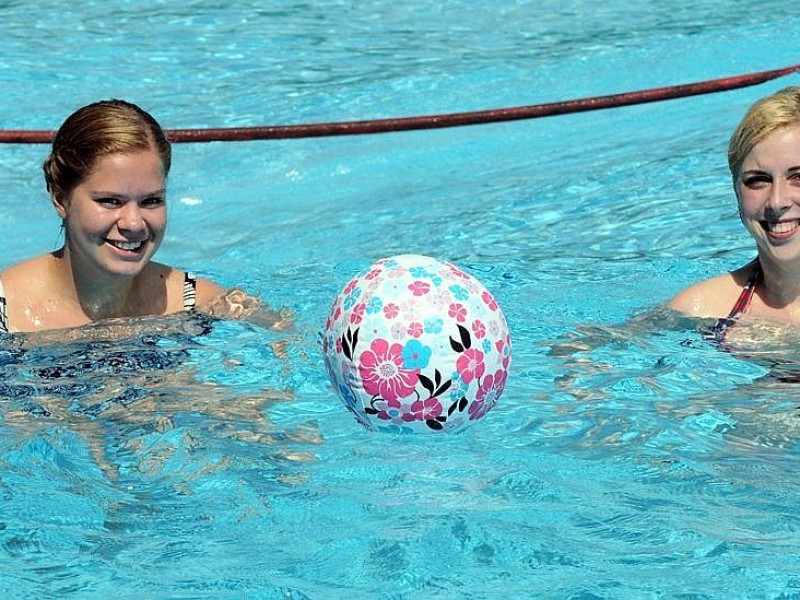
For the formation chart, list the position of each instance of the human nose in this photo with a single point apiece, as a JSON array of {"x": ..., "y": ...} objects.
[
  {"x": 130, "y": 217},
  {"x": 781, "y": 197}
]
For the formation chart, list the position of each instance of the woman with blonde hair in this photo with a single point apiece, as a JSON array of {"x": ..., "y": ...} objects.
[{"x": 764, "y": 161}]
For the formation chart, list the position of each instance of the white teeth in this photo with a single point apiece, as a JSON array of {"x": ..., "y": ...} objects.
[
  {"x": 125, "y": 245},
  {"x": 782, "y": 227}
]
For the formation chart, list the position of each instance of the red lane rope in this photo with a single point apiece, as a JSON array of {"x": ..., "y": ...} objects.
[{"x": 282, "y": 132}]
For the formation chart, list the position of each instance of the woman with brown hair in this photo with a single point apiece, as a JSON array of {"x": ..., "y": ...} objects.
[{"x": 106, "y": 175}]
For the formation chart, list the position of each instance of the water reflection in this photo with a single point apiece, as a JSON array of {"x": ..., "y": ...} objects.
[{"x": 133, "y": 392}]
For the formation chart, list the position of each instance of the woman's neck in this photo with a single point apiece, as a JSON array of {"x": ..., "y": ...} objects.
[
  {"x": 99, "y": 295},
  {"x": 781, "y": 283}
]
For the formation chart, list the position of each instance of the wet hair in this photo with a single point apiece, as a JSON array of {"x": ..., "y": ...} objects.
[
  {"x": 98, "y": 130},
  {"x": 767, "y": 115}
]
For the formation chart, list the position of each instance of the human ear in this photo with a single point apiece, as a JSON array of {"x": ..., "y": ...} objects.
[{"x": 61, "y": 206}]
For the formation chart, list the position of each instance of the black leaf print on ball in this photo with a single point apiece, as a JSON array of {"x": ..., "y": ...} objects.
[
  {"x": 458, "y": 405},
  {"x": 349, "y": 341},
  {"x": 466, "y": 340},
  {"x": 464, "y": 343},
  {"x": 426, "y": 383},
  {"x": 435, "y": 386}
]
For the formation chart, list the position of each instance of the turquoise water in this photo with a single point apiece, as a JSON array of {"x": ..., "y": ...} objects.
[{"x": 625, "y": 460}]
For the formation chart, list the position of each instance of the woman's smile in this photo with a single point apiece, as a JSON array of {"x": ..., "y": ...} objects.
[
  {"x": 117, "y": 216},
  {"x": 780, "y": 230},
  {"x": 127, "y": 246}
]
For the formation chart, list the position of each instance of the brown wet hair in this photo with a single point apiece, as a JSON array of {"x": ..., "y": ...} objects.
[{"x": 98, "y": 130}]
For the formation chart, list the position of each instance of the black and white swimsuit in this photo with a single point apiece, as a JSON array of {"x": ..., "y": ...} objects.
[{"x": 189, "y": 299}]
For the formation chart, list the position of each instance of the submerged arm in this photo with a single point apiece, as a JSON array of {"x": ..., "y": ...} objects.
[{"x": 239, "y": 305}]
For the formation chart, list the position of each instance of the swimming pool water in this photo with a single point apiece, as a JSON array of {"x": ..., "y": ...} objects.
[{"x": 626, "y": 459}]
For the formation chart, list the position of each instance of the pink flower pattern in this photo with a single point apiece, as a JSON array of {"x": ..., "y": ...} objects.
[
  {"x": 391, "y": 310},
  {"x": 350, "y": 287},
  {"x": 458, "y": 312},
  {"x": 415, "y": 329},
  {"x": 419, "y": 288},
  {"x": 389, "y": 410},
  {"x": 470, "y": 365},
  {"x": 479, "y": 329},
  {"x": 424, "y": 410},
  {"x": 383, "y": 373},
  {"x": 357, "y": 313},
  {"x": 503, "y": 346},
  {"x": 364, "y": 349},
  {"x": 487, "y": 394},
  {"x": 458, "y": 272},
  {"x": 489, "y": 300}
]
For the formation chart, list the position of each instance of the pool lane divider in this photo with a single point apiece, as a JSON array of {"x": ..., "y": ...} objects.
[{"x": 459, "y": 119}]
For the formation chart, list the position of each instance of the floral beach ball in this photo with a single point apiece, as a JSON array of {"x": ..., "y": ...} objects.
[{"x": 417, "y": 344}]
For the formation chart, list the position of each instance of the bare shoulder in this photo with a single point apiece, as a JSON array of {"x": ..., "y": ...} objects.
[
  {"x": 27, "y": 274},
  {"x": 26, "y": 266},
  {"x": 207, "y": 291},
  {"x": 714, "y": 297}
]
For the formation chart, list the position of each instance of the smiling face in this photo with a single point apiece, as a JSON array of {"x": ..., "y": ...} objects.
[
  {"x": 768, "y": 190},
  {"x": 116, "y": 217}
]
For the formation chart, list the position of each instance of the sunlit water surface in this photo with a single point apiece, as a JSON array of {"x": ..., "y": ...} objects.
[{"x": 628, "y": 458}]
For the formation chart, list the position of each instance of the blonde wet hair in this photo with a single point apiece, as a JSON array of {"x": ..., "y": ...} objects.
[
  {"x": 98, "y": 130},
  {"x": 767, "y": 115}
]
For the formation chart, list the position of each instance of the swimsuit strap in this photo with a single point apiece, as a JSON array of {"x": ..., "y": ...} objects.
[
  {"x": 742, "y": 304},
  {"x": 3, "y": 311},
  {"x": 746, "y": 297},
  {"x": 189, "y": 291}
]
